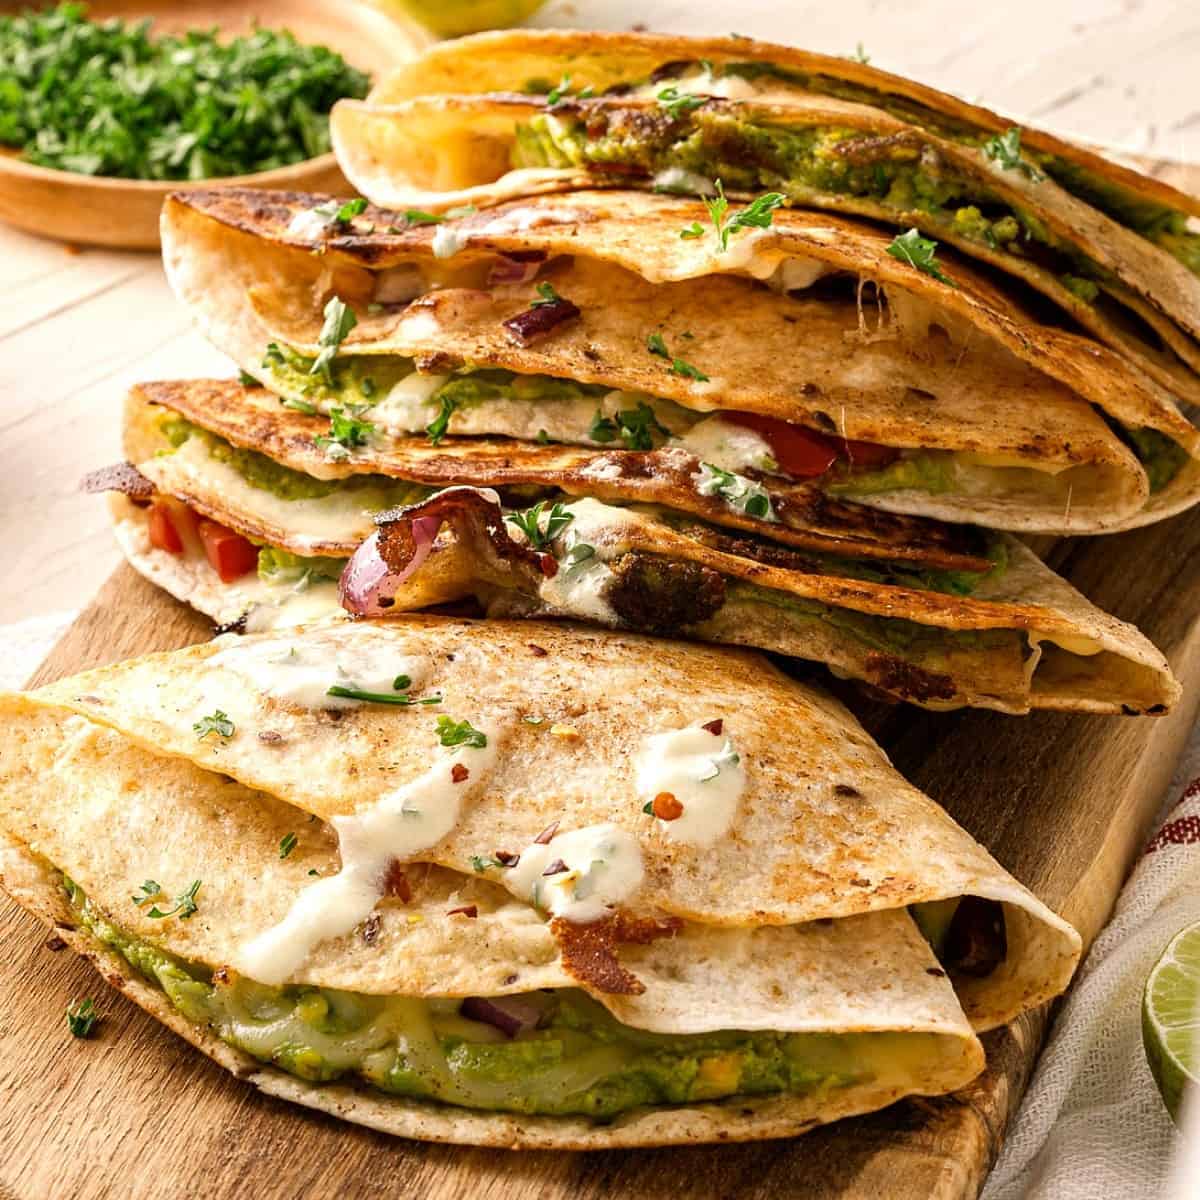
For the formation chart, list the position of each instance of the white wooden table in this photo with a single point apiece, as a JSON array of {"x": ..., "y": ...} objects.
[{"x": 77, "y": 327}]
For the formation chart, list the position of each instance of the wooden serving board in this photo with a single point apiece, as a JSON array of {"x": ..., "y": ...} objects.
[{"x": 1064, "y": 802}]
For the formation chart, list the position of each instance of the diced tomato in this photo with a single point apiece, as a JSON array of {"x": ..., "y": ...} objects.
[
  {"x": 868, "y": 455},
  {"x": 801, "y": 453},
  {"x": 804, "y": 453},
  {"x": 230, "y": 554},
  {"x": 163, "y": 534}
]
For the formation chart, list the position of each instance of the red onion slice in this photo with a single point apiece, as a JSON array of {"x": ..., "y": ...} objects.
[
  {"x": 368, "y": 584},
  {"x": 509, "y": 1014},
  {"x": 536, "y": 323},
  {"x": 519, "y": 266}
]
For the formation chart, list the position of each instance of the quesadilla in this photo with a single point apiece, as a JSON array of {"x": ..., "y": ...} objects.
[
  {"x": 508, "y": 114},
  {"x": 230, "y": 502},
  {"x": 811, "y": 356},
  {"x": 558, "y": 889}
]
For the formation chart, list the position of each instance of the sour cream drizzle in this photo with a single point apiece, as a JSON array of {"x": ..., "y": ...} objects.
[
  {"x": 401, "y": 824},
  {"x": 702, "y": 771},
  {"x": 303, "y": 674},
  {"x": 603, "y": 867}
]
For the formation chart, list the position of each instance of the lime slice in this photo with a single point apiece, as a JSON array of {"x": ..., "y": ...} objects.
[{"x": 1171, "y": 1018}]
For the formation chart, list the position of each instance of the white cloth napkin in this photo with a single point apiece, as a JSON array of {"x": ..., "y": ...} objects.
[
  {"x": 1092, "y": 1125},
  {"x": 24, "y": 644}
]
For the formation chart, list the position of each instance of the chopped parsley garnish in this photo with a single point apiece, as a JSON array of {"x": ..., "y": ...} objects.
[
  {"x": 578, "y": 554},
  {"x": 184, "y": 906},
  {"x": 339, "y": 320},
  {"x": 216, "y": 722},
  {"x": 82, "y": 1017},
  {"x": 547, "y": 295},
  {"x": 656, "y": 345},
  {"x": 415, "y": 216},
  {"x": 301, "y": 406},
  {"x": 737, "y": 491},
  {"x": 287, "y": 844},
  {"x": 340, "y": 212},
  {"x": 919, "y": 252},
  {"x": 460, "y": 733},
  {"x": 678, "y": 103},
  {"x": 104, "y": 97},
  {"x": 635, "y": 426},
  {"x": 1005, "y": 149},
  {"x": 246, "y": 379},
  {"x": 758, "y": 214},
  {"x": 648, "y": 808},
  {"x": 563, "y": 92},
  {"x": 347, "y": 431},
  {"x": 481, "y": 864},
  {"x": 859, "y": 55},
  {"x": 529, "y": 522},
  {"x": 436, "y": 429}
]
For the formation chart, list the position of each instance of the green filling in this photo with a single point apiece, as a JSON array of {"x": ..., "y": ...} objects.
[
  {"x": 373, "y": 491},
  {"x": 480, "y": 387},
  {"x": 800, "y": 162},
  {"x": 580, "y": 1061},
  {"x": 927, "y": 579},
  {"x": 1161, "y": 456},
  {"x": 932, "y": 473},
  {"x": 888, "y": 635},
  {"x": 282, "y": 567},
  {"x": 1164, "y": 226},
  {"x": 359, "y": 379}
]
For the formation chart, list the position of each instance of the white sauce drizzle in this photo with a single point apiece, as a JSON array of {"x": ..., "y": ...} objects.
[
  {"x": 401, "y": 824},
  {"x": 702, "y": 771},
  {"x": 682, "y": 182},
  {"x": 604, "y": 868},
  {"x": 447, "y": 241},
  {"x": 302, "y": 674},
  {"x": 309, "y": 224},
  {"x": 727, "y": 445},
  {"x": 407, "y": 407}
]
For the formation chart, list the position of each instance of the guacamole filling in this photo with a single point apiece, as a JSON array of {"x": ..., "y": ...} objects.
[
  {"x": 578, "y": 1060},
  {"x": 1165, "y": 227},
  {"x": 800, "y": 162},
  {"x": 1162, "y": 457}
]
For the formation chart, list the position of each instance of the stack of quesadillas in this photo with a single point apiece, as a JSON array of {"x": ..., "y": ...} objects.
[{"x": 710, "y": 340}]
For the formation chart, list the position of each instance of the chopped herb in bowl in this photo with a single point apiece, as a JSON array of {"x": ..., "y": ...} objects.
[{"x": 105, "y": 98}]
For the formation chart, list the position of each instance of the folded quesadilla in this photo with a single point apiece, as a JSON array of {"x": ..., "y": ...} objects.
[
  {"x": 810, "y": 356},
  {"x": 501, "y": 115},
  {"x": 230, "y": 501},
  {"x": 516, "y": 885}
]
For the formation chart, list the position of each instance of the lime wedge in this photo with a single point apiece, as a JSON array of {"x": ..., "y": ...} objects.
[{"x": 1171, "y": 1018}]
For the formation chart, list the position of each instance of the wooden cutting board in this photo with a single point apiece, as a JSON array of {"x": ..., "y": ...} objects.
[{"x": 1064, "y": 802}]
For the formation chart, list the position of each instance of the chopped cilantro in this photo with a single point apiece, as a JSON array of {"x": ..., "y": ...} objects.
[
  {"x": 919, "y": 252},
  {"x": 529, "y": 522},
  {"x": 340, "y": 212},
  {"x": 301, "y": 406},
  {"x": 415, "y": 216},
  {"x": 436, "y": 429},
  {"x": 184, "y": 906},
  {"x": 656, "y": 345},
  {"x": 246, "y": 379},
  {"x": 339, "y": 320},
  {"x": 636, "y": 426},
  {"x": 1005, "y": 149},
  {"x": 547, "y": 295},
  {"x": 563, "y": 92},
  {"x": 577, "y": 555},
  {"x": 287, "y": 844},
  {"x": 740, "y": 493},
  {"x": 216, "y": 722},
  {"x": 859, "y": 55},
  {"x": 758, "y": 214},
  {"x": 460, "y": 733},
  {"x": 402, "y": 699},
  {"x": 347, "y": 431},
  {"x": 678, "y": 103},
  {"x": 82, "y": 1017}
]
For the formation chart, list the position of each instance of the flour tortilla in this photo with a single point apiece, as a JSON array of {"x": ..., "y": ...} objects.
[
  {"x": 826, "y": 828},
  {"x": 1124, "y": 674},
  {"x": 805, "y": 359},
  {"x": 81, "y": 799},
  {"x": 429, "y": 130}
]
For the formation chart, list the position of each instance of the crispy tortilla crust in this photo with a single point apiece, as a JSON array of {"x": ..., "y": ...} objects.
[
  {"x": 253, "y": 418},
  {"x": 505, "y": 60},
  {"x": 33, "y": 887}
]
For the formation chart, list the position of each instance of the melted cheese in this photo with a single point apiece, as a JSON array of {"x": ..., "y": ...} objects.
[
  {"x": 701, "y": 771},
  {"x": 727, "y": 445},
  {"x": 603, "y": 868},
  {"x": 398, "y": 826}
]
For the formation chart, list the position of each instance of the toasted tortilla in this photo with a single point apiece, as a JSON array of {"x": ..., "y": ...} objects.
[
  {"x": 1067, "y": 655},
  {"x": 826, "y": 827},
  {"x": 918, "y": 382},
  {"x": 407, "y": 146},
  {"x": 68, "y": 785}
]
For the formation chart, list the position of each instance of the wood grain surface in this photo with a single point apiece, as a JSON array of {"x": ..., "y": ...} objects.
[{"x": 1064, "y": 802}]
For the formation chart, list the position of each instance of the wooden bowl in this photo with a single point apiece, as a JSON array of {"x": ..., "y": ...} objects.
[{"x": 103, "y": 211}]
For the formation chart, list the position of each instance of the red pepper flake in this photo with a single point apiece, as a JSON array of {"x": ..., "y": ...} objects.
[
  {"x": 557, "y": 867},
  {"x": 458, "y": 772},
  {"x": 533, "y": 324},
  {"x": 548, "y": 564},
  {"x": 547, "y": 835},
  {"x": 539, "y": 652},
  {"x": 716, "y": 728},
  {"x": 395, "y": 882},
  {"x": 220, "y": 976},
  {"x": 666, "y": 808},
  {"x": 506, "y": 858},
  {"x": 370, "y": 929},
  {"x": 467, "y": 910}
]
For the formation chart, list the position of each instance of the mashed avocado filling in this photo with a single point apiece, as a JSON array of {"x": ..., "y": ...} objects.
[
  {"x": 1162, "y": 457},
  {"x": 578, "y": 1061},
  {"x": 1163, "y": 226},
  {"x": 754, "y": 156}
]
